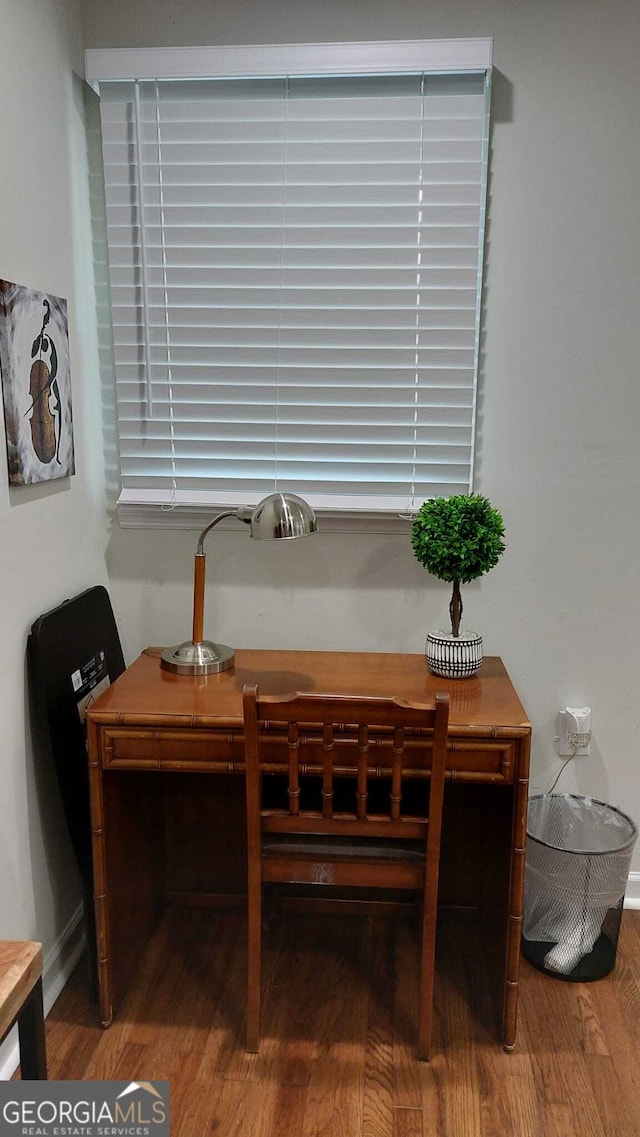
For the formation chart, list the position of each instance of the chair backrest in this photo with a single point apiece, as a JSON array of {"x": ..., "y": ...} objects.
[{"x": 332, "y": 737}]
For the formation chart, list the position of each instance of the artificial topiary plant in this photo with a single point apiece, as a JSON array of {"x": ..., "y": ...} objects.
[{"x": 458, "y": 539}]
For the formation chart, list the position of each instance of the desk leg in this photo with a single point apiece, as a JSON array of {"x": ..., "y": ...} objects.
[
  {"x": 33, "y": 1052},
  {"x": 128, "y": 875},
  {"x": 516, "y": 889},
  {"x": 99, "y": 875}
]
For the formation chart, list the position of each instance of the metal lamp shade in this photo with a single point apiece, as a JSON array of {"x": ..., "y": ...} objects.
[{"x": 282, "y": 516}]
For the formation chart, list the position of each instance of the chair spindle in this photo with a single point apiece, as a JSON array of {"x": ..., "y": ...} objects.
[
  {"x": 327, "y": 769},
  {"x": 396, "y": 773},
  {"x": 293, "y": 743},
  {"x": 363, "y": 762}
]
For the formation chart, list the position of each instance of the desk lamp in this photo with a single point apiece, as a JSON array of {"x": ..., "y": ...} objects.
[{"x": 280, "y": 515}]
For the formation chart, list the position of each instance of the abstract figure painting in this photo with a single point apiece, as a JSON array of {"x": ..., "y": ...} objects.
[{"x": 36, "y": 385}]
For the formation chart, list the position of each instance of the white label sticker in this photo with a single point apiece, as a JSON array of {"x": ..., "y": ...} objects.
[
  {"x": 89, "y": 699},
  {"x": 76, "y": 679}
]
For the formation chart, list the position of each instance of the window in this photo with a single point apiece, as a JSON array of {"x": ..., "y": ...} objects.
[{"x": 295, "y": 254}]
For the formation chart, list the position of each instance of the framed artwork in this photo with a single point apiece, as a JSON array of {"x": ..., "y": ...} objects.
[{"x": 36, "y": 385}]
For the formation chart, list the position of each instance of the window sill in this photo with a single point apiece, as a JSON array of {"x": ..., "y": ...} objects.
[{"x": 144, "y": 515}]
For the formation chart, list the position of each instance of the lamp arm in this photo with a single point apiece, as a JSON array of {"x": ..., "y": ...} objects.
[
  {"x": 199, "y": 567},
  {"x": 220, "y": 517}
]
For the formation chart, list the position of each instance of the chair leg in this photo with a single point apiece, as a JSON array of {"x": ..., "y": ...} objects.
[
  {"x": 254, "y": 961},
  {"x": 427, "y": 975}
]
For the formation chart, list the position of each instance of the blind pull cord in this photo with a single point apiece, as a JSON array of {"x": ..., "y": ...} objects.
[
  {"x": 281, "y": 285},
  {"x": 411, "y": 502},
  {"x": 143, "y": 251},
  {"x": 165, "y": 301}
]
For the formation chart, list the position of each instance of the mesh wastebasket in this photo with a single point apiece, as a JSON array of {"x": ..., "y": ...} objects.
[{"x": 578, "y": 856}]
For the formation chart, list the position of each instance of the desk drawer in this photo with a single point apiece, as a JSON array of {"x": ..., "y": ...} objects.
[
  {"x": 475, "y": 760},
  {"x": 124, "y": 748},
  {"x": 171, "y": 749}
]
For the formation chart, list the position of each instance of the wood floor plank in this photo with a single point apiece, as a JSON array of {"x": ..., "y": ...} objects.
[
  {"x": 626, "y": 989},
  {"x": 366, "y": 945},
  {"x": 520, "y": 1110},
  {"x": 76, "y": 1033},
  {"x": 348, "y": 1102},
  {"x": 618, "y": 1098},
  {"x": 187, "y": 1106},
  {"x": 377, "y": 1112},
  {"x": 196, "y": 1112},
  {"x": 408, "y": 1123},
  {"x": 432, "y": 1079},
  {"x": 217, "y": 1030},
  {"x": 557, "y": 1121},
  {"x": 229, "y": 1113},
  {"x": 338, "y": 1057},
  {"x": 331, "y": 990},
  {"x": 460, "y": 1088},
  {"x": 618, "y": 1102},
  {"x": 293, "y": 1014},
  {"x": 407, "y": 1086},
  {"x": 319, "y": 1103},
  {"x": 288, "y": 1112},
  {"x": 591, "y": 1029},
  {"x": 509, "y": 1101},
  {"x": 556, "y": 1045},
  {"x": 255, "y": 1111},
  {"x": 154, "y": 985}
]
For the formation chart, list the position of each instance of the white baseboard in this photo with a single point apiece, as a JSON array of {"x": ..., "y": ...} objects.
[
  {"x": 58, "y": 965},
  {"x": 632, "y": 895}
]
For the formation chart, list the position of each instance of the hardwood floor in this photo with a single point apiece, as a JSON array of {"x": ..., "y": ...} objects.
[{"x": 340, "y": 1016}]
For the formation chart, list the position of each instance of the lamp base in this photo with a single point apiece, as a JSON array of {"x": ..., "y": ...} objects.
[{"x": 205, "y": 658}]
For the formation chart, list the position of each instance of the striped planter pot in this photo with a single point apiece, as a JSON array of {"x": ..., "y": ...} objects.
[{"x": 454, "y": 658}]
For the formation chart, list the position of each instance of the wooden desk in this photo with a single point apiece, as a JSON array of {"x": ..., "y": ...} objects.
[{"x": 181, "y": 837}]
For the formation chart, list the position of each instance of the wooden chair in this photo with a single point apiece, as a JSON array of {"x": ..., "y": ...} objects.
[{"x": 330, "y": 738}]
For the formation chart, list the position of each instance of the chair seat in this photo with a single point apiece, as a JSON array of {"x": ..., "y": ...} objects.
[{"x": 301, "y": 846}]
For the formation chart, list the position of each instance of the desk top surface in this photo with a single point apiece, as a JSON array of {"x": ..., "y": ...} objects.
[{"x": 146, "y": 695}]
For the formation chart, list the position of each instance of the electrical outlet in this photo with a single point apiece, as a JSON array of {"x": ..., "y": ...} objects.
[{"x": 568, "y": 736}]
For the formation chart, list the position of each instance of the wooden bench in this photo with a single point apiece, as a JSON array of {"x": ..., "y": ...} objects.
[{"x": 21, "y": 1003}]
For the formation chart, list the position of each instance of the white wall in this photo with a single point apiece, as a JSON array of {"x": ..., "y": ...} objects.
[
  {"x": 53, "y": 535},
  {"x": 560, "y": 396}
]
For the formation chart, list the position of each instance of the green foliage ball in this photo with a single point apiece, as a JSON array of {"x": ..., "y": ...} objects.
[{"x": 458, "y": 538}]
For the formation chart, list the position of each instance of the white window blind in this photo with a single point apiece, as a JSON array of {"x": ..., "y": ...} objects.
[{"x": 295, "y": 282}]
